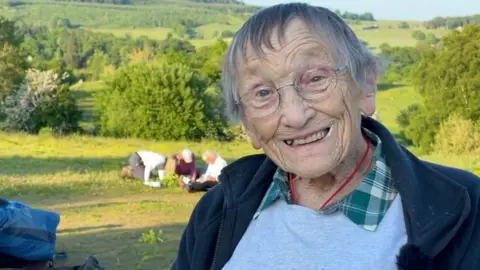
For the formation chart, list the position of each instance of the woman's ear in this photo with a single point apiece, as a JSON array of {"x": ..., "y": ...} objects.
[
  {"x": 370, "y": 100},
  {"x": 253, "y": 137}
]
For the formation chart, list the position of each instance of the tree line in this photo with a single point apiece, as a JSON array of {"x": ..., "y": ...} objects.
[
  {"x": 128, "y": 16},
  {"x": 367, "y": 16},
  {"x": 451, "y": 22}
]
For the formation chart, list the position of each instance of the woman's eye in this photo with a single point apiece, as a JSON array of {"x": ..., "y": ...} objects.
[
  {"x": 263, "y": 93},
  {"x": 318, "y": 78}
]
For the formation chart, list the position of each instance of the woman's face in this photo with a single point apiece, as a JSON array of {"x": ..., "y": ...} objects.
[{"x": 308, "y": 137}]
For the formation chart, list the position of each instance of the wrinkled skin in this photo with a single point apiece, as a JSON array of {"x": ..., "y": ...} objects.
[{"x": 332, "y": 159}]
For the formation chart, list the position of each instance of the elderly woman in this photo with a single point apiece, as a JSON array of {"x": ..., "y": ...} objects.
[{"x": 334, "y": 190}]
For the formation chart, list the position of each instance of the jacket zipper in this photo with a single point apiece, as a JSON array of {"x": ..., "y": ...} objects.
[
  {"x": 219, "y": 234},
  {"x": 217, "y": 244}
]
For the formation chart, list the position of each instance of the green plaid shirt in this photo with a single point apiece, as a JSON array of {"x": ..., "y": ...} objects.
[{"x": 365, "y": 206}]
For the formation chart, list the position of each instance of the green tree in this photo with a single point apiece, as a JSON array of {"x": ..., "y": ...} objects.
[
  {"x": 228, "y": 34},
  {"x": 431, "y": 39},
  {"x": 418, "y": 35},
  {"x": 403, "y": 25},
  {"x": 12, "y": 60},
  {"x": 42, "y": 100},
  {"x": 180, "y": 30},
  {"x": 97, "y": 63},
  {"x": 71, "y": 56},
  {"x": 211, "y": 59},
  {"x": 448, "y": 79},
  {"x": 160, "y": 100},
  {"x": 401, "y": 62}
]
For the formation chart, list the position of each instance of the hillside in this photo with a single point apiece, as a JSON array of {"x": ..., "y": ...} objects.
[
  {"x": 199, "y": 21},
  {"x": 166, "y": 13}
]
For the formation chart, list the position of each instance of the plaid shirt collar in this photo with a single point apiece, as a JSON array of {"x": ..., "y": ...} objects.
[{"x": 365, "y": 206}]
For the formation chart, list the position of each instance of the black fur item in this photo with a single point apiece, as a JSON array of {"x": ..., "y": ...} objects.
[{"x": 412, "y": 258}]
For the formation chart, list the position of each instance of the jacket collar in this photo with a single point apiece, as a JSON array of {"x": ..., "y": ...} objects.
[{"x": 435, "y": 206}]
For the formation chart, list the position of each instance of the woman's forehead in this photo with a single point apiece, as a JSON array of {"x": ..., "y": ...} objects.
[
  {"x": 285, "y": 51},
  {"x": 303, "y": 56}
]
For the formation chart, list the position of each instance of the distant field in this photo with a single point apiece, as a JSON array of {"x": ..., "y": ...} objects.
[
  {"x": 388, "y": 32},
  {"x": 84, "y": 93},
  {"x": 391, "y": 99},
  {"x": 159, "y": 33},
  {"x": 210, "y": 29}
]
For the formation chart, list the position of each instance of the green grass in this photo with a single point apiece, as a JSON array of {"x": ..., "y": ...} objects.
[
  {"x": 101, "y": 213},
  {"x": 84, "y": 93},
  {"x": 391, "y": 99}
]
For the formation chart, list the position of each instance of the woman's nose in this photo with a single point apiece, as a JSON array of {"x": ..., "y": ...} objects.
[{"x": 295, "y": 111}]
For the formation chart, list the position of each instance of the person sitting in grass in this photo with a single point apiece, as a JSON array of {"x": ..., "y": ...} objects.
[
  {"x": 186, "y": 167},
  {"x": 142, "y": 164},
  {"x": 208, "y": 180}
]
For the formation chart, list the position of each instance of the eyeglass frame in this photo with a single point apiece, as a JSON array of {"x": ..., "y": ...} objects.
[{"x": 295, "y": 86}]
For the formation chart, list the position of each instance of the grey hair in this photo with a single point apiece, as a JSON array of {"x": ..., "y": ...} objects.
[
  {"x": 323, "y": 23},
  {"x": 208, "y": 153}
]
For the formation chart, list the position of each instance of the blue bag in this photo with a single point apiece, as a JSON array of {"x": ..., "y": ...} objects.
[{"x": 27, "y": 233}]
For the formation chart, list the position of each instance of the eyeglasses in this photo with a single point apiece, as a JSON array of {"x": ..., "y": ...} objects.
[{"x": 311, "y": 85}]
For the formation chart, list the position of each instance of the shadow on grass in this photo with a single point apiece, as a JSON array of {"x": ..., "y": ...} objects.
[
  {"x": 89, "y": 228},
  {"x": 34, "y": 166},
  {"x": 37, "y": 191},
  {"x": 23, "y": 166},
  {"x": 388, "y": 86},
  {"x": 124, "y": 248},
  {"x": 82, "y": 94}
]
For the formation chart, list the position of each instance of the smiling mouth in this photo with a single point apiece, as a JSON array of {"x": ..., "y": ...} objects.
[{"x": 322, "y": 134}]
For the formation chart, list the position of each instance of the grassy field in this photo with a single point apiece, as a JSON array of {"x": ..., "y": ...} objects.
[
  {"x": 126, "y": 224},
  {"x": 159, "y": 33},
  {"x": 84, "y": 93},
  {"x": 391, "y": 99},
  {"x": 387, "y": 32},
  {"x": 101, "y": 213}
]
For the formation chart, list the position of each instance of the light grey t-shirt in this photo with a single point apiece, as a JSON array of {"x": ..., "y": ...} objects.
[{"x": 290, "y": 237}]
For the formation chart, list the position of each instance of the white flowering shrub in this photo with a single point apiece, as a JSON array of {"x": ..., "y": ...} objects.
[{"x": 42, "y": 100}]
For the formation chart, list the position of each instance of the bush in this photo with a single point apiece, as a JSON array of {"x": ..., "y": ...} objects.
[
  {"x": 159, "y": 100},
  {"x": 458, "y": 135},
  {"x": 403, "y": 25},
  {"x": 403, "y": 118},
  {"x": 418, "y": 35},
  {"x": 431, "y": 39},
  {"x": 42, "y": 100},
  {"x": 421, "y": 127},
  {"x": 227, "y": 34}
]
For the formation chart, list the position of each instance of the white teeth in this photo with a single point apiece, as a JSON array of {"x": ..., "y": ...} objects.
[{"x": 312, "y": 138}]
